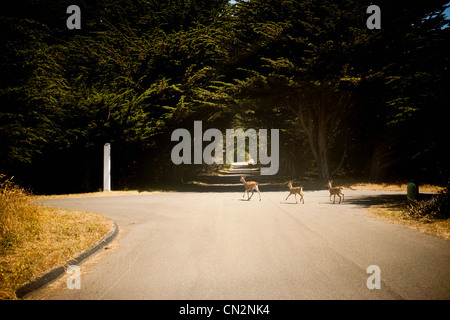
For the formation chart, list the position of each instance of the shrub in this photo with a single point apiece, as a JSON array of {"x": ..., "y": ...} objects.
[
  {"x": 19, "y": 216},
  {"x": 438, "y": 207}
]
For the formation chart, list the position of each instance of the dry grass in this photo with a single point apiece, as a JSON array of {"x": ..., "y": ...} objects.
[
  {"x": 430, "y": 214},
  {"x": 391, "y": 187},
  {"x": 397, "y": 213},
  {"x": 35, "y": 239},
  {"x": 99, "y": 194}
]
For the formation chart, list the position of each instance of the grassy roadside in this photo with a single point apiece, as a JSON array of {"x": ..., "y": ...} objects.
[
  {"x": 395, "y": 214},
  {"x": 400, "y": 212},
  {"x": 115, "y": 193},
  {"x": 99, "y": 194},
  {"x": 35, "y": 239},
  {"x": 390, "y": 187}
]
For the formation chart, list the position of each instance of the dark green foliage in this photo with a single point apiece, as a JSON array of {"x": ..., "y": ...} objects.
[
  {"x": 346, "y": 99},
  {"x": 129, "y": 77},
  {"x": 351, "y": 91}
]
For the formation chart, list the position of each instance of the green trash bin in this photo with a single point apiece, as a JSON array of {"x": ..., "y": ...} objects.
[{"x": 412, "y": 192}]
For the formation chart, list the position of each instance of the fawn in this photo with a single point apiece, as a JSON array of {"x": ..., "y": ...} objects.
[
  {"x": 335, "y": 191},
  {"x": 295, "y": 191},
  {"x": 250, "y": 186}
]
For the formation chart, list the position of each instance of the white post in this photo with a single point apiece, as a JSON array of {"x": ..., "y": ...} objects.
[{"x": 107, "y": 167}]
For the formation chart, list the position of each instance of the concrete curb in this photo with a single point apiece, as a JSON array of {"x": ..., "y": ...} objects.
[{"x": 58, "y": 271}]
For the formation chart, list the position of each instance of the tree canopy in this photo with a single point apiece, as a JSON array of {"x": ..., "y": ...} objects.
[{"x": 348, "y": 100}]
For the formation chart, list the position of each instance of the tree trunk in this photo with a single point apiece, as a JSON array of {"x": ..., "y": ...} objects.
[
  {"x": 322, "y": 144},
  {"x": 87, "y": 176},
  {"x": 178, "y": 174},
  {"x": 322, "y": 165},
  {"x": 317, "y": 138},
  {"x": 322, "y": 112}
]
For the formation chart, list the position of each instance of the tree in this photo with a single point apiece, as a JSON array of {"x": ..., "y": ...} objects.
[
  {"x": 343, "y": 82},
  {"x": 343, "y": 96},
  {"x": 403, "y": 76},
  {"x": 296, "y": 60},
  {"x": 128, "y": 77}
]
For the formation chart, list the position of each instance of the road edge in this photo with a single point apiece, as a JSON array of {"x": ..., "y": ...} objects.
[{"x": 53, "y": 274}]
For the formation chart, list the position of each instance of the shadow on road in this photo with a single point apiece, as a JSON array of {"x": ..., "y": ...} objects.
[
  {"x": 384, "y": 199},
  {"x": 291, "y": 203},
  {"x": 368, "y": 201}
]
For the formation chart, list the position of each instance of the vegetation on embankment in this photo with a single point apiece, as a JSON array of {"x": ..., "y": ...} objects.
[
  {"x": 35, "y": 239},
  {"x": 430, "y": 215}
]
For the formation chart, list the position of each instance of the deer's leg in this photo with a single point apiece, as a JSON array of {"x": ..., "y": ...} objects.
[
  {"x": 295, "y": 195},
  {"x": 288, "y": 196},
  {"x": 259, "y": 193},
  {"x": 339, "y": 197}
]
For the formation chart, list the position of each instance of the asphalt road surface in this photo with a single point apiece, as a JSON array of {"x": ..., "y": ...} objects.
[{"x": 211, "y": 245}]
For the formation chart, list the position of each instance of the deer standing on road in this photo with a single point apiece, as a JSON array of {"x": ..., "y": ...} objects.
[
  {"x": 295, "y": 191},
  {"x": 250, "y": 186},
  {"x": 335, "y": 191}
]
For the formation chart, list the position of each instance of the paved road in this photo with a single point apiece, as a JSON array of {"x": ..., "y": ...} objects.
[{"x": 217, "y": 246}]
